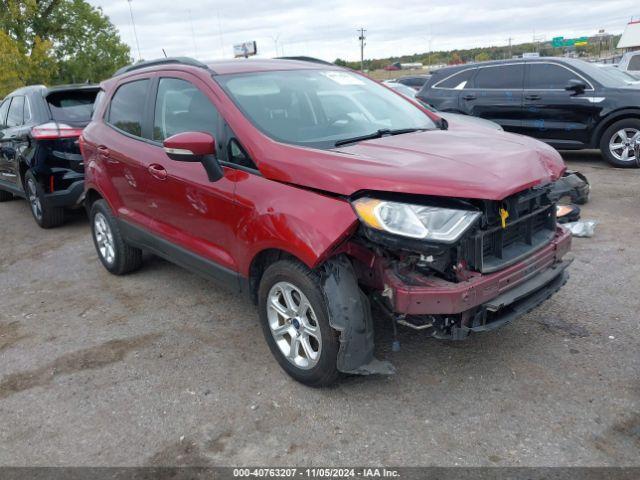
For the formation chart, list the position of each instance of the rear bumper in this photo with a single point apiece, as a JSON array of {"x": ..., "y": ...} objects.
[
  {"x": 541, "y": 271},
  {"x": 69, "y": 197}
]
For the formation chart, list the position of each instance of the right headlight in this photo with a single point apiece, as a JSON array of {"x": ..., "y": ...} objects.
[{"x": 415, "y": 221}]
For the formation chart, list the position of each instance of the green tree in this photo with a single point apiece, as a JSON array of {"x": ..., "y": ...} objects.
[
  {"x": 483, "y": 57},
  {"x": 57, "y": 41}
]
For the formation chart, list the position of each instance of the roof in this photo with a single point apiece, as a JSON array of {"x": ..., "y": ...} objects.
[
  {"x": 56, "y": 88},
  {"x": 224, "y": 67},
  {"x": 631, "y": 36},
  {"x": 453, "y": 68}
]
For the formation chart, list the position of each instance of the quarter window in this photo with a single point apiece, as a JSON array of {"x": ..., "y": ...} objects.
[
  {"x": 16, "y": 112},
  {"x": 547, "y": 76},
  {"x": 634, "y": 63},
  {"x": 181, "y": 107},
  {"x": 127, "y": 107},
  {"x": 504, "y": 77},
  {"x": 458, "y": 81}
]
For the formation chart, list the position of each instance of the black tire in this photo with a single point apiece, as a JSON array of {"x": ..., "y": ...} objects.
[
  {"x": 5, "y": 196},
  {"x": 610, "y": 133},
  {"x": 45, "y": 215},
  {"x": 125, "y": 257},
  {"x": 324, "y": 372}
]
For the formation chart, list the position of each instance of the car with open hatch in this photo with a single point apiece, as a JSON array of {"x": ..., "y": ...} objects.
[
  {"x": 40, "y": 159},
  {"x": 319, "y": 192}
]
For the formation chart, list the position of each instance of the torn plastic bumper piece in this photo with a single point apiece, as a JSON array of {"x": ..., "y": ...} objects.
[
  {"x": 350, "y": 314},
  {"x": 432, "y": 296}
]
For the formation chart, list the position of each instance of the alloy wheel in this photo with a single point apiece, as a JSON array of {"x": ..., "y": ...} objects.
[
  {"x": 34, "y": 200},
  {"x": 104, "y": 238},
  {"x": 622, "y": 144},
  {"x": 294, "y": 325}
]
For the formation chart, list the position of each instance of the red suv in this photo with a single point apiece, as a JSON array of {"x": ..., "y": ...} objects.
[{"x": 319, "y": 192}]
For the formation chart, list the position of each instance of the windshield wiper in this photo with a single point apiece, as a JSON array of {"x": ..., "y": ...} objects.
[{"x": 383, "y": 132}]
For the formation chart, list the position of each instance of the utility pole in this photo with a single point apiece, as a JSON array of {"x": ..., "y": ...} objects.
[
  {"x": 135, "y": 34},
  {"x": 362, "y": 38},
  {"x": 510, "y": 52}
]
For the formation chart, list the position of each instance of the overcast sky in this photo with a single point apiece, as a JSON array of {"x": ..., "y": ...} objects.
[{"x": 327, "y": 28}]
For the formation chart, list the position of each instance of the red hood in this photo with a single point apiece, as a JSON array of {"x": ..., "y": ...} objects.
[{"x": 460, "y": 162}]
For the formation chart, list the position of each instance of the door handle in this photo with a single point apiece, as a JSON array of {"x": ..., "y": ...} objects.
[
  {"x": 157, "y": 171},
  {"x": 469, "y": 96},
  {"x": 532, "y": 97}
]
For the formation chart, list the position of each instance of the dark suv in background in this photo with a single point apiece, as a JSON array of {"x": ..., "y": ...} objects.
[
  {"x": 40, "y": 159},
  {"x": 567, "y": 103}
]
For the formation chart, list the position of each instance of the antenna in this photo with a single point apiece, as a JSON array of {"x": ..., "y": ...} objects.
[
  {"x": 135, "y": 33},
  {"x": 165, "y": 53},
  {"x": 193, "y": 33}
]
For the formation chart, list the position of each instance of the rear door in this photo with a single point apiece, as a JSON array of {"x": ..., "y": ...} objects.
[
  {"x": 554, "y": 114},
  {"x": 443, "y": 90},
  {"x": 5, "y": 144},
  {"x": 124, "y": 148},
  {"x": 496, "y": 94},
  {"x": 15, "y": 139}
]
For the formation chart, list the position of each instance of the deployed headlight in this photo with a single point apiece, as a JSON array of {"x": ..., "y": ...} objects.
[{"x": 415, "y": 221}]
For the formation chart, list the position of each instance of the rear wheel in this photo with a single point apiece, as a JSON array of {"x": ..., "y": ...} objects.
[
  {"x": 296, "y": 324},
  {"x": 115, "y": 254},
  {"x": 618, "y": 142},
  {"x": 43, "y": 213}
]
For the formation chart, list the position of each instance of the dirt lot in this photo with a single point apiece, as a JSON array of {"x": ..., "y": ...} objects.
[{"x": 162, "y": 368}]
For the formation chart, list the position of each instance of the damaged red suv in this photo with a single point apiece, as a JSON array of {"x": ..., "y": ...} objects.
[{"x": 318, "y": 192}]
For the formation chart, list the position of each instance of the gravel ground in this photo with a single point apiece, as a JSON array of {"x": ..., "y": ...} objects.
[{"x": 163, "y": 368}]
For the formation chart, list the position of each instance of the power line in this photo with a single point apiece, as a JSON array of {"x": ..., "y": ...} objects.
[{"x": 362, "y": 38}]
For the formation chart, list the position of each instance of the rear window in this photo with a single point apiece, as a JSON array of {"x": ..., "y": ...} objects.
[{"x": 72, "y": 106}]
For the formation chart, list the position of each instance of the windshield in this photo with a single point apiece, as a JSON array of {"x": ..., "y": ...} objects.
[
  {"x": 603, "y": 75},
  {"x": 614, "y": 72},
  {"x": 318, "y": 108}
]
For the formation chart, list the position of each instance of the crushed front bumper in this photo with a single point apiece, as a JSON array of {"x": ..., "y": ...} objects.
[{"x": 513, "y": 290}]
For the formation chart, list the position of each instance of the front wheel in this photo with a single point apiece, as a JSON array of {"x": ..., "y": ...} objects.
[
  {"x": 44, "y": 214},
  {"x": 618, "y": 142},
  {"x": 295, "y": 323}
]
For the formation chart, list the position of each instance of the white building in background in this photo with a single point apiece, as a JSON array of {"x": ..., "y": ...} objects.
[{"x": 630, "y": 39}]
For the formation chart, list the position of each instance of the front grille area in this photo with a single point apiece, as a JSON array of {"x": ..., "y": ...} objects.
[{"x": 531, "y": 225}]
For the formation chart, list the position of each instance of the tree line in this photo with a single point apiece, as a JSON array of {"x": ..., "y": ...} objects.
[{"x": 56, "y": 41}]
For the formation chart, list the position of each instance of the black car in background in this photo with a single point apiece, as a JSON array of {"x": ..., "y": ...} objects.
[
  {"x": 40, "y": 158},
  {"x": 567, "y": 103}
]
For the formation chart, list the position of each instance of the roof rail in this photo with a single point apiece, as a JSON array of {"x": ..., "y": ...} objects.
[
  {"x": 306, "y": 59},
  {"x": 161, "y": 61}
]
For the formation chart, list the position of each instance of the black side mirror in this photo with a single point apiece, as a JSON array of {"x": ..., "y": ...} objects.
[{"x": 576, "y": 86}]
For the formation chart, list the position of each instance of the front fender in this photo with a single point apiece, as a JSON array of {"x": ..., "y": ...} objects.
[{"x": 303, "y": 223}]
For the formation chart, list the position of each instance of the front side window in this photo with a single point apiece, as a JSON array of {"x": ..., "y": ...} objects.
[
  {"x": 127, "y": 107},
  {"x": 547, "y": 76},
  {"x": 318, "y": 108},
  {"x": 503, "y": 77},
  {"x": 181, "y": 107},
  {"x": 4, "y": 108},
  {"x": 16, "y": 112}
]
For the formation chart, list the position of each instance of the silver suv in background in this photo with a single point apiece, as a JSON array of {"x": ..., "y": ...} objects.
[{"x": 630, "y": 63}]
